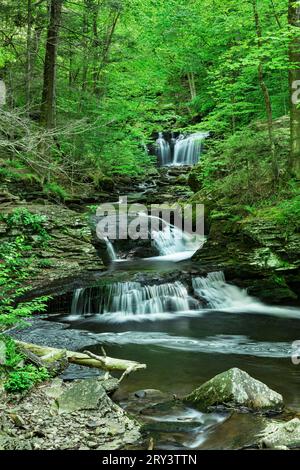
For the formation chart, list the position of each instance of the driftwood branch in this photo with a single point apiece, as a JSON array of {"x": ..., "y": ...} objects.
[
  {"x": 132, "y": 366},
  {"x": 84, "y": 359}
]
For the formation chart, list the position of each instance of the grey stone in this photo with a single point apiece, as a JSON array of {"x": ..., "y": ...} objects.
[
  {"x": 55, "y": 389},
  {"x": 281, "y": 435},
  {"x": 82, "y": 395},
  {"x": 235, "y": 388}
]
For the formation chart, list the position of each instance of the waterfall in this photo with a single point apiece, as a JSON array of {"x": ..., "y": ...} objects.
[
  {"x": 122, "y": 301},
  {"x": 188, "y": 149},
  {"x": 171, "y": 242},
  {"x": 163, "y": 150},
  {"x": 219, "y": 294},
  {"x": 110, "y": 249},
  {"x": 181, "y": 150},
  {"x": 132, "y": 298},
  {"x": 80, "y": 302}
]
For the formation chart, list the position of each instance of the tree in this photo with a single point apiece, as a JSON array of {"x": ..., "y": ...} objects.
[
  {"x": 49, "y": 83},
  {"x": 265, "y": 92},
  {"x": 294, "y": 83}
]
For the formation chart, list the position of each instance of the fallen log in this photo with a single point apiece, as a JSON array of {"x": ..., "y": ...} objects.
[{"x": 83, "y": 359}]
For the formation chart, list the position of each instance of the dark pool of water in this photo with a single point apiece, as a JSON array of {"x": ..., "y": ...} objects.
[{"x": 182, "y": 351}]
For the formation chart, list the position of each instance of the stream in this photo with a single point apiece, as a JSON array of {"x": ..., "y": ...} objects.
[
  {"x": 185, "y": 341},
  {"x": 186, "y": 331}
]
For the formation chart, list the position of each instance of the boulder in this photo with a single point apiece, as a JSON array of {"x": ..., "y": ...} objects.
[
  {"x": 281, "y": 435},
  {"x": 82, "y": 395},
  {"x": 235, "y": 388}
]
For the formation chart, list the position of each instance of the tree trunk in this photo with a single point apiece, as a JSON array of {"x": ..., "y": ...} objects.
[
  {"x": 266, "y": 95},
  {"x": 48, "y": 96},
  {"x": 29, "y": 53},
  {"x": 192, "y": 86},
  {"x": 83, "y": 359},
  {"x": 294, "y": 84}
]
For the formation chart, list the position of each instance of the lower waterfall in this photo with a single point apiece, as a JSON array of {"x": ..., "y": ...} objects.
[
  {"x": 132, "y": 298},
  {"x": 218, "y": 293},
  {"x": 122, "y": 300}
]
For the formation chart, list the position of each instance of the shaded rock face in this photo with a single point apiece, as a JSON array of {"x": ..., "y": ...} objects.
[
  {"x": 256, "y": 254},
  {"x": 238, "y": 432},
  {"x": 235, "y": 389},
  {"x": 68, "y": 252},
  {"x": 281, "y": 435},
  {"x": 59, "y": 415}
]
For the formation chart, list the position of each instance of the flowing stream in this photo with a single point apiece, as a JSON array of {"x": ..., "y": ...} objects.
[
  {"x": 187, "y": 332},
  {"x": 187, "y": 329}
]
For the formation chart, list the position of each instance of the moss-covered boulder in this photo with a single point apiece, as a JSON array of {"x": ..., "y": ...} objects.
[{"x": 235, "y": 389}]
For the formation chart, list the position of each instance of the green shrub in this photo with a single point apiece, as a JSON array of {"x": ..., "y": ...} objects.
[
  {"x": 56, "y": 190},
  {"x": 24, "y": 378}
]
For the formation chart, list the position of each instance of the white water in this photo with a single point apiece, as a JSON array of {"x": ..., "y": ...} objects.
[
  {"x": 218, "y": 293},
  {"x": 218, "y": 344},
  {"x": 132, "y": 298},
  {"x": 123, "y": 301},
  {"x": 163, "y": 150},
  {"x": 188, "y": 149},
  {"x": 110, "y": 250},
  {"x": 172, "y": 243},
  {"x": 223, "y": 296}
]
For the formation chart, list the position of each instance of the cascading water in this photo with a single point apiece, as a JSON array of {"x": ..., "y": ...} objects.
[
  {"x": 173, "y": 243},
  {"x": 163, "y": 150},
  {"x": 110, "y": 250},
  {"x": 122, "y": 300},
  {"x": 188, "y": 149},
  {"x": 218, "y": 293},
  {"x": 170, "y": 241},
  {"x": 181, "y": 150},
  {"x": 132, "y": 298}
]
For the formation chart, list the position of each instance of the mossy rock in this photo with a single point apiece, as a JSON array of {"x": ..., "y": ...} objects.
[{"x": 235, "y": 388}]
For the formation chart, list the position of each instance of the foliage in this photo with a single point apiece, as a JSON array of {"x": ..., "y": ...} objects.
[
  {"x": 29, "y": 223},
  {"x": 19, "y": 377},
  {"x": 23, "y": 378},
  {"x": 16, "y": 266},
  {"x": 56, "y": 190},
  {"x": 127, "y": 69},
  {"x": 12, "y": 358}
]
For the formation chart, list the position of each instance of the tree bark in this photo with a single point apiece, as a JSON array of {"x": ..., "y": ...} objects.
[
  {"x": 29, "y": 54},
  {"x": 294, "y": 85},
  {"x": 89, "y": 360},
  {"x": 266, "y": 95},
  {"x": 48, "y": 96},
  {"x": 192, "y": 86}
]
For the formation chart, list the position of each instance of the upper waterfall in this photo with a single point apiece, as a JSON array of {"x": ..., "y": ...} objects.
[
  {"x": 181, "y": 150},
  {"x": 163, "y": 150}
]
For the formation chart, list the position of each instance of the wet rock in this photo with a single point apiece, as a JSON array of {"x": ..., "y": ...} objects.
[
  {"x": 235, "y": 389},
  {"x": 238, "y": 431},
  {"x": 151, "y": 393},
  {"x": 281, "y": 435},
  {"x": 256, "y": 253}
]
